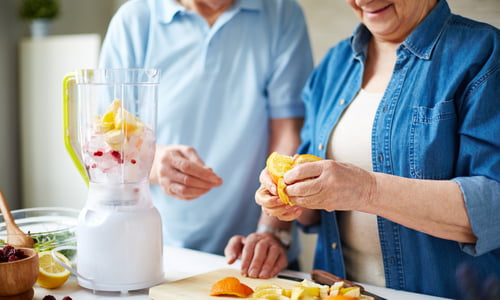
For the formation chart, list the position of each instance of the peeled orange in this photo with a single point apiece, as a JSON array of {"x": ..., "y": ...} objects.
[
  {"x": 230, "y": 286},
  {"x": 51, "y": 274},
  {"x": 278, "y": 164}
]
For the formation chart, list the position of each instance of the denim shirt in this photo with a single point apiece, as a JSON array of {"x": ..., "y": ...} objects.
[{"x": 439, "y": 119}]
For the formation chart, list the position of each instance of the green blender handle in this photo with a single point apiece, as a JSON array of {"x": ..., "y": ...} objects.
[{"x": 70, "y": 128}]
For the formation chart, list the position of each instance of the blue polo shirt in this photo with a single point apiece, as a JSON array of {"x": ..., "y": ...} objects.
[
  {"x": 219, "y": 88},
  {"x": 439, "y": 119}
]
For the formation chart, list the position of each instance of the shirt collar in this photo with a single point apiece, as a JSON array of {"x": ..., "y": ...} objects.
[
  {"x": 166, "y": 10},
  {"x": 420, "y": 42}
]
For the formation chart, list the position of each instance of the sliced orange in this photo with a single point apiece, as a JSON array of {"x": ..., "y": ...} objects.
[
  {"x": 281, "y": 191},
  {"x": 278, "y": 164},
  {"x": 230, "y": 286},
  {"x": 304, "y": 158}
]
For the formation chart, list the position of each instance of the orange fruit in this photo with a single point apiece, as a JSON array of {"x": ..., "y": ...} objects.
[
  {"x": 281, "y": 191},
  {"x": 230, "y": 286},
  {"x": 278, "y": 164},
  {"x": 304, "y": 158}
]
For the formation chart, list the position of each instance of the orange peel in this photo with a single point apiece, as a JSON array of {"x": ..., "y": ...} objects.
[
  {"x": 230, "y": 286},
  {"x": 278, "y": 164}
]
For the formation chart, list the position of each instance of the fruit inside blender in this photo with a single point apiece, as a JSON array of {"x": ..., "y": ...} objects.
[{"x": 119, "y": 147}]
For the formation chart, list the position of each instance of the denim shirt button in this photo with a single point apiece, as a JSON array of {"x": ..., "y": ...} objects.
[
  {"x": 342, "y": 101},
  {"x": 334, "y": 245},
  {"x": 385, "y": 108},
  {"x": 380, "y": 157},
  {"x": 320, "y": 147}
]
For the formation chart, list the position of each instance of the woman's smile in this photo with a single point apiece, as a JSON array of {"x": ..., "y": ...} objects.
[{"x": 372, "y": 13}]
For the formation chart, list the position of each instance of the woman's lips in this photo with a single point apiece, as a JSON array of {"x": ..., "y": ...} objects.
[{"x": 378, "y": 11}]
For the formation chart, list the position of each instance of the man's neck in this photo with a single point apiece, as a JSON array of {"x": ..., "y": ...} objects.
[{"x": 210, "y": 10}]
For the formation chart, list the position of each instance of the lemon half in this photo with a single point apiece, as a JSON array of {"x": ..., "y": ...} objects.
[{"x": 51, "y": 274}]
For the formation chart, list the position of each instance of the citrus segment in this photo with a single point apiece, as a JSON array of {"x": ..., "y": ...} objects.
[
  {"x": 303, "y": 158},
  {"x": 278, "y": 164},
  {"x": 281, "y": 191},
  {"x": 51, "y": 274},
  {"x": 230, "y": 286}
]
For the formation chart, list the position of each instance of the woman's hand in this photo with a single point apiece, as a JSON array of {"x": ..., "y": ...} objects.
[
  {"x": 325, "y": 184},
  {"x": 267, "y": 197},
  {"x": 261, "y": 254},
  {"x": 181, "y": 173},
  {"x": 329, "y": 185}
]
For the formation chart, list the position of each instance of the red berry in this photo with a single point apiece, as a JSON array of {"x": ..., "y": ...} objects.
[
  {"x": 133, "y": 161},
  {"x": 117, "y": 156},
  {"x": 49, "y": 297},
  {"x": 12, "y": 258},
  {"x": 98, "y": 153}
]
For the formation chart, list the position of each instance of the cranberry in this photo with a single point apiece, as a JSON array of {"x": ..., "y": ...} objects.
[
  {"x": 67, "y": 298},
  {"x": 117, "y": 156},
  {"x": 49, "y": 297},
  {"x": 98, "y": 153},
  {"x": 12, "y": 258},
  {"x": 8, "y": 250},
  {"x": 133, "y": 161},
  {"x": 9, "y": 253}
]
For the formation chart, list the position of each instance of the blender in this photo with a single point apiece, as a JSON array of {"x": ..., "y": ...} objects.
[{"x": 109, "y": 123}]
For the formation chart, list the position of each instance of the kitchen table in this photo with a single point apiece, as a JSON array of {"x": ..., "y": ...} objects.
[{"x": 180, "y": 263}]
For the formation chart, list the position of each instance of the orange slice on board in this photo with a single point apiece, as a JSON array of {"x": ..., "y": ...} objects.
[
  {"x": 278, "y": 164},
  {"x": 230, "y": 286}
]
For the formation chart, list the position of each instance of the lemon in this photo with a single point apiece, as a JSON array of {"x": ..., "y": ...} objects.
[{"x": 51, "y": 274}]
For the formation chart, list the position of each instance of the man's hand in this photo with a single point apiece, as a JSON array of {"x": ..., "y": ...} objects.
[
  {"x": 261, "y": 254},
  {"x": 181, "y": 173}
]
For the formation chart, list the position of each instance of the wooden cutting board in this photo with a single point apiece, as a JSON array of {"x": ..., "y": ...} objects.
[{"x": 198, "y": 287}]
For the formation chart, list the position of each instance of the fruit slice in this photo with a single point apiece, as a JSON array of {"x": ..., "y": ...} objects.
[
  {"x": 230, "y": 286},
  {"x": 278, "y": 164},
  {"x": 281, "y": 191},
  {"x": 304, "y": 158},
  {"x": 51, "y": 274}
]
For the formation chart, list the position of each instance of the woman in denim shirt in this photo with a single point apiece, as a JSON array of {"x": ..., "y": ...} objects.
[{"x": 407, "y": 113}]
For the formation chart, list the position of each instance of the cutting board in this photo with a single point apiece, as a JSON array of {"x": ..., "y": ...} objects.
[{"x": 198, "y": 287}]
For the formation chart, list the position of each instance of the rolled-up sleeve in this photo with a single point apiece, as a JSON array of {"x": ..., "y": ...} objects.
[{"x": 482, "y": 201}]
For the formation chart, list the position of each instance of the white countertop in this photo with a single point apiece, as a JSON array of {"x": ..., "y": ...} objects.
[{"x": 181, "y": 263}]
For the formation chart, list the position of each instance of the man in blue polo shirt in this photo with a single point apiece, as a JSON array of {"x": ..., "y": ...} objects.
[{"x": 229, "y": 94}]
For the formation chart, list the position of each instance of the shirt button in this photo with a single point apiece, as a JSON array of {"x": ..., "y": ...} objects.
[
  {"x": 342, "y": 101},
  {"x": 380, "y": 157},
  {"x": 320, "y": 147},
  {"x": 334, "y": 246}
]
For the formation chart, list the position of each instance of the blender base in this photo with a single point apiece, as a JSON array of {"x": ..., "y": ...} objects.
[
  {"x": 122, "y": 288},
  {"x": 119, "y": 250}
]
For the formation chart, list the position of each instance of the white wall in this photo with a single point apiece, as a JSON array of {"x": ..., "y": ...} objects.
[{"x": 89, "y": 16}]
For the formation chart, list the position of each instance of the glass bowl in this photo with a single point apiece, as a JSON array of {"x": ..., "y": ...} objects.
[{"x": 49, "y": 227}]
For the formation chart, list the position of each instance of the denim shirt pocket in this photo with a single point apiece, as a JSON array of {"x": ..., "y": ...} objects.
[{"x": 433, "y": 141}]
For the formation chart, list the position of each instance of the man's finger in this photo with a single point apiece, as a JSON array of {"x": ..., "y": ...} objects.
[{"x": 233, "y": 249}]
